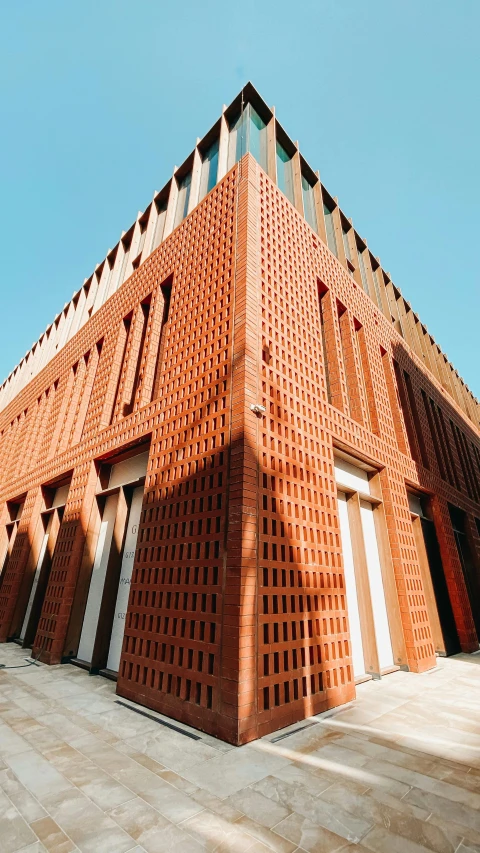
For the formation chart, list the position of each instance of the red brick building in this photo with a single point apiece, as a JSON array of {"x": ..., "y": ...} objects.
[{"x": 237, "y": 473}]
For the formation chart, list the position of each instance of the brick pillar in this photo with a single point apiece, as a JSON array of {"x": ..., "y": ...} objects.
[
  {"x": 351, "y": 368},
  {"x": 408, "y": 578},
  {"x": 239, "y": 654},
  {"x": 452, "y": 567}
]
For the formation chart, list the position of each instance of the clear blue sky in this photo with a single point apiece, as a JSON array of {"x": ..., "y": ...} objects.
[{"x": 100, "y": 99}]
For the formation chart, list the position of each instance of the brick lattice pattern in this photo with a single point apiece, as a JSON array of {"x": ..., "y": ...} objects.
[{"x": 237, "y": 620}]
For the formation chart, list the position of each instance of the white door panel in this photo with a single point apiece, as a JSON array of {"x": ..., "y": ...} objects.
[
  {"x": 97, "y": 581},
  {"x": 379, "y": 606},
  {"x": 36, "y": 578},
  {"x": 118, "y": 627},
  {"x": 351, "y": 589}
]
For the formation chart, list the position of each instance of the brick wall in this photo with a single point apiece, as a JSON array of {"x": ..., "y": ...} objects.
[{"x": 237, "y": 621}]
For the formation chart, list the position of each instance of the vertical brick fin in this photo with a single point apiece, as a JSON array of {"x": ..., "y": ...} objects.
[
  {"x": 151, "y": 350},
  {"x": 474, "y": 484},
  {"x": 15, "y": 438},
  {"x": 51, "y": 414},
  {"x": 393, "y": 400},
  {"x": 354, "y": 391},
  {"x": 476, "y": 467},
  {"x": 454, "y": 577},
  {"x": 166, "y": 290},
  {"x": 433, "y": 433},
  {"x": 7, "y": 444},
  {"x": 413, "y": 607},
  {"x": 38, "y": 426},
  {"x": 134, "y": 360},
  {"x": 70, "y": 417},
  {"x": 331, "y": 338},
  {"x": 368, "y": 382},
  {"x": 407, "y": 415},
  {"x": 416, "y": 419},
  {"x": 21, "y": 441},
  {"x": 116, "y": 373},
  {"x": 62, "y": 400},
  {"x": 84, "y": 401},
  {"x": 134, "y": 327},
  {"x": 451, "y": 464}
]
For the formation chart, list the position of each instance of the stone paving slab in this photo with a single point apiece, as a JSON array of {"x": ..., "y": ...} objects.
[{"x": 396, "y": 771}]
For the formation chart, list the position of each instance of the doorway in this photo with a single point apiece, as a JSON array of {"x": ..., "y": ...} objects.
[
  {"x": 371, "y": 641},
  {"x": 358, "y": 657},
  {"x": 50, "y": 520},
  {"x": 120, "y": 506},
  {"x": 442, "y": 620},
  {"x": 471, "y": 571}
]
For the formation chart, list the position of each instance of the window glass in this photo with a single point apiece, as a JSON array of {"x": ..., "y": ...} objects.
[
  {"x": 330, "y": 229},
  {"x": 209, "y": 171},
  {"x": 160, "y": 225},
  {"x": 284, "y": 172},
  {"x": 213, "y": 166},
  {"x": 233, "y": 144},
  {"x": 248, "y": 132},
  {"x": 241, "y": 136},
  {"x": 183, "y": 198},
  {"x": 309, "y": 204},
  {"x": 257, "y": 143},
  {"x": 363, "y": 272},
  {"x": 376, "y": 285},
  {"x": 126, "y": 253},
  {"x": 346, "y": 245}
]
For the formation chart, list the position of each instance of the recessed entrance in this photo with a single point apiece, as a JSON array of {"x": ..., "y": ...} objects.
[
  {"x": 120, "y": 506},
  {"x": 371, "y": 642},
  {"x": 442, "y": 620},
  {"x": 358, "y": 657},
  {"x": 470, "y": 567},
  {"x": 50, "y": 521}
]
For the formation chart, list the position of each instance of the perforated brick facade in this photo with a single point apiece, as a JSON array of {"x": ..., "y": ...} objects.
[{"x": 237, "y": 621}]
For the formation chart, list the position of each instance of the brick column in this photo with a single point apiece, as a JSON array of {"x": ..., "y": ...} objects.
[
  {"x": 452, "y": 567},
  {"x": 408, "y": 578},
  {"x": 239, "y": 656}
]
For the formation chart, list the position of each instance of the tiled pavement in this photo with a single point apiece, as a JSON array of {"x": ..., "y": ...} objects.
[{"x": 398, "y": 771}]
